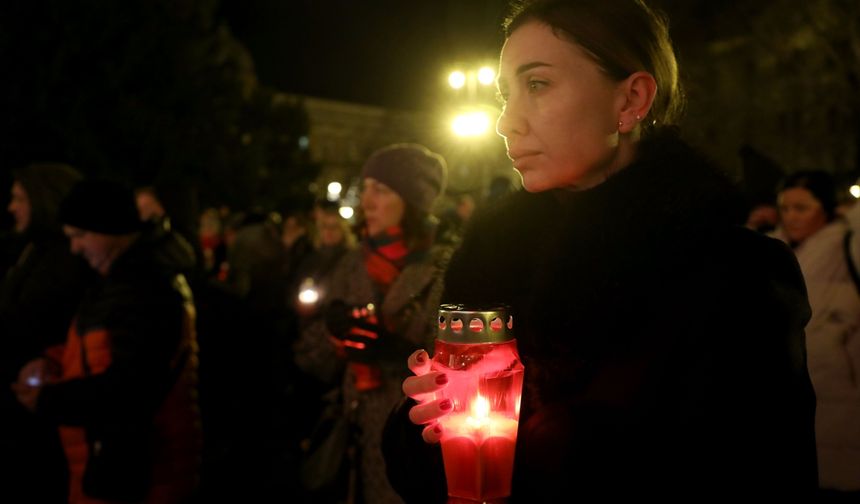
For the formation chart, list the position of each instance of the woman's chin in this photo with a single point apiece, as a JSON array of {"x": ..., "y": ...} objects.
[{"x": 532, "y": 183}]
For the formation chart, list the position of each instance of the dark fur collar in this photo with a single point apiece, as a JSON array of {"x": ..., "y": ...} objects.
[{"x": 585, "y": 272}]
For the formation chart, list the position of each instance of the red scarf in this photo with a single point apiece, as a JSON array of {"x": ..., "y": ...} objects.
[{"x": 385, "y": 255}]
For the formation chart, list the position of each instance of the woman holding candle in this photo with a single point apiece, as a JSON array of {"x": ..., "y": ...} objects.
[
  {"x": 384, "y": 298},
  {"x": 663, "y": 343}
]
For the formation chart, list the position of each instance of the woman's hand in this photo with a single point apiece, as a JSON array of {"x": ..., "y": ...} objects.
[
  {"x": 418, "y": 387},
  {"x": 32, "y": 376},
  {"x": 37, "y": 372}
]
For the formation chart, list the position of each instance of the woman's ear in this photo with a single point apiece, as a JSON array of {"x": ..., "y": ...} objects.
[{"x": 638, "y": 92}]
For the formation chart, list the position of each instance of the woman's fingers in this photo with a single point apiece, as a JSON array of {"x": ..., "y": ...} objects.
[
  {"x": 419, "y": 362},
  {"x": 415, "y": 386},
  {"x": 432, "y": 433},
  {"x": 430, "y": 411}
]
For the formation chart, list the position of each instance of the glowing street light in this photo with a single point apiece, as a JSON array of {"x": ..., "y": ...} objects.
[
  {"x": 346, "y": 212},
  {"x": 333, "y": 191},
  {"x": 457, "y": 79},
  {"x": 471, "y": 124},
  {"x": 855, "y": 191},
  {"x": 486, "y": 76}
]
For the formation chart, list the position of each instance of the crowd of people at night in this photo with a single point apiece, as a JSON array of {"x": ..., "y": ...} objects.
[{"x": 673, "y": 346}]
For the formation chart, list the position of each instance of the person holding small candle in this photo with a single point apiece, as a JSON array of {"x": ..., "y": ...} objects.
[
  {"x": 383, "y": 299},
  {"x": 663, "y": 343}
]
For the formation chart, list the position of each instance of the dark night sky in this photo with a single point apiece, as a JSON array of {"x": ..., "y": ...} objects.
[
  {"x": 384, "y": 52},
  {"x": 397, "y": 53}
]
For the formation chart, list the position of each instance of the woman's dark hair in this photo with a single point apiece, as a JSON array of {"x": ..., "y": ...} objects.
[
  {"x": 819, "y": 183},
  {"x": 621, "y": 36},
  {"x": 46, "y": 185}
]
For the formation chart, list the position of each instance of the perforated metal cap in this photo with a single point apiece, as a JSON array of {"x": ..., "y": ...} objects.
[{"x": 469, "y": 324}]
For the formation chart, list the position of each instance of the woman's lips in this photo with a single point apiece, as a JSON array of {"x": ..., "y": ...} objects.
[{"x": 520, "y": 157}]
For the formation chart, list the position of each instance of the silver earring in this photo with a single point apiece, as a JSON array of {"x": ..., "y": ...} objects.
[
  {"x": 620, "y": 123},
  {"x": 638, "y": 117}
]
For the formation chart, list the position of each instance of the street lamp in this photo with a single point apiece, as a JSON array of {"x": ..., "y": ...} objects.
[
  {"x": 471, "y": 79},
  {"x": 333, "y": 191},
  {"x": 471, "y": 114},
  {"x": 457, "y": 79},
  {"x": 471, "y": 124},
  {"x": 486, "y": 76}
]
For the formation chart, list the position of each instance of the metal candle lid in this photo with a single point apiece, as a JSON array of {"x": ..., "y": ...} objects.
[{"x": 461, "y": 324}]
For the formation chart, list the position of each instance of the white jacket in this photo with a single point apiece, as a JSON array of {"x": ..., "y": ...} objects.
[{"x": 833, "y": 347}]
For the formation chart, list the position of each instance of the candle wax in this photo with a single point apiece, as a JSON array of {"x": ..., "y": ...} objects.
[{"x": 479, "y": 456}]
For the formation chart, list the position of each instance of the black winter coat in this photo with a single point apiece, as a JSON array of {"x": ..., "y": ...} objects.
[{"x": 663, "y": 343}]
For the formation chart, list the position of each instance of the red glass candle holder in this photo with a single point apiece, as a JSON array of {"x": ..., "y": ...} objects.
[{"x": 476, "y": 349}]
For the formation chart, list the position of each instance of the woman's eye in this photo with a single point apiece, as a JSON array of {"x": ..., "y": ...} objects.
[{"x": 535, "y": 85}]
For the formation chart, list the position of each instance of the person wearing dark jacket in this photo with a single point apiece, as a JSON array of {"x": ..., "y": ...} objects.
[
  {"x": 123, "y": 391},
  {"x": 663, "y": 343},
  {"x": 38, "y": 297}
]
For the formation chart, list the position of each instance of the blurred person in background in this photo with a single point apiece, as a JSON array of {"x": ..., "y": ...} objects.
[
  {"x": 242, "y": 360},
  {"x": 124, "y": 390},
  {"x": 152, "y": 211},
  {"x": 211, "y": 237},
  {"x": 453, "y": 223},
  {"x": 38, "y": 297},
  {"x": 383, "y": 299},
  {"x": 828, "y": 250},
  {"x": 332, "y": 238}
]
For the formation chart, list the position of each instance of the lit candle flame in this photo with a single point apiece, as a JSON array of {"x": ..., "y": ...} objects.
[
  {"x": 480, "y": 416},
  {"x": 309, "y": 296},
  {"x": 481, "y": 407}
]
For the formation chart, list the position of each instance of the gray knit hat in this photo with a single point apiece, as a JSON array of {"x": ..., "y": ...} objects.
[{"x": 411, "y": 170}]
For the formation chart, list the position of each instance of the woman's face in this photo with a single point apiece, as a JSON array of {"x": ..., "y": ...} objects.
[
  {"x": 330, "y": 229},
  {"x": 560, "y": 119},
  {"x": 19, "y": 207},
  {"x": 801, "y": 213},
  {"x": 383, "y": 208}
]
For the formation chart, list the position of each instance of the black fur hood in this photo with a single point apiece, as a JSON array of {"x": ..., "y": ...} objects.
[{"x": 585, "y": 272}]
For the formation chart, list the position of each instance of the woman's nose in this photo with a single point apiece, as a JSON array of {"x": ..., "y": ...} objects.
[{"x": 510, "y": 122}]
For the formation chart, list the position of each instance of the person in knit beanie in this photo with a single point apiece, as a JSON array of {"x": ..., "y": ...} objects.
[
  {"x": 382, "y": 304},
  {"x": 415, "y": 177}
]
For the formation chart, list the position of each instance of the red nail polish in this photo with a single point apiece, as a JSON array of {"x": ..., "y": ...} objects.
[
  {"x": 437, "y": 429},
  {"x": 445, "y": 405},
  {"x": 441, "y": 379}
]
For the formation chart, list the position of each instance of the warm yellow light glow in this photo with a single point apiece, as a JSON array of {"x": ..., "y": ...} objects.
[
  {"x": 334, "y": 188},
  {"x": 308, "y": 293},
  {"x": 346, "y": 212},
  {"x": 486, "y": 76},
  {"x": 471, "y": 124},
  {"x": 481, "y": 407},
  {"x": 855, "y": 191},
  {"x": 457, "y": 79},
  {"x": 309, "y": 296}
]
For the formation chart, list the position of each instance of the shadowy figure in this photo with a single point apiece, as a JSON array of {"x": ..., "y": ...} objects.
[
  {"x": 38, "y": 297},
  {"x": 123, "y": 392},
  {"x": 828, "y": 250}
]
